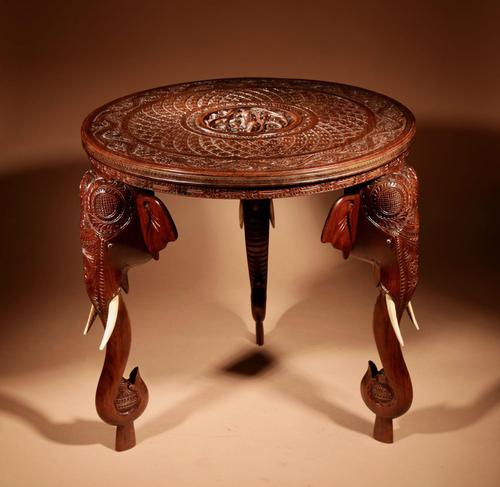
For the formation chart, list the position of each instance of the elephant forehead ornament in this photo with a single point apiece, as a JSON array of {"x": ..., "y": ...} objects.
[{"x": 380, "y": 224}]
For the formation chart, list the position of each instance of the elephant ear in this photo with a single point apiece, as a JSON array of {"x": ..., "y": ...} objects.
[
  {"x": 342, "y": 223},
  {"x": 157, "y": 225}
]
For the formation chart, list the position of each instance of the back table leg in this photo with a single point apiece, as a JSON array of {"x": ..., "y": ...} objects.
[{"x": 255, "y": 216}]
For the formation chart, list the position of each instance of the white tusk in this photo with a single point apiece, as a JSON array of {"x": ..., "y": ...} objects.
[
  {"x": 393, "y": 316},
  {"x": 411, "y": 314},
  {"x": 90, "y": 319},
  {"x": 111, "y": 321}
]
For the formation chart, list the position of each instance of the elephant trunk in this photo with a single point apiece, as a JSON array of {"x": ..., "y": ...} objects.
[
  {"x": 120, "y": 401},
  {"x": 256, "y": 215},
  {"x": 387, "y": 392}
]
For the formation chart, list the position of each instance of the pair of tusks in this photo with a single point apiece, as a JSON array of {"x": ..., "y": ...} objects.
[
  {"x": 393, "y": 316},
  {"x": 113, "y": 307}
]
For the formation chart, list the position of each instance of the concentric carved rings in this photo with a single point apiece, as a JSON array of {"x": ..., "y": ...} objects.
[
  {"x": 391, "y": 201},
  {"x": 108, "y": 205}
]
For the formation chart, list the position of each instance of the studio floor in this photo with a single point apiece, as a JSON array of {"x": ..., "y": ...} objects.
[{"x": 225, "y": 412}]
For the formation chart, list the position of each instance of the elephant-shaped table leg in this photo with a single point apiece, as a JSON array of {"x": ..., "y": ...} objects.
[
  {"x": 379, "y": 222},
  {"x": 255, "y": 216},
  {"x": 120, "y": 227}
]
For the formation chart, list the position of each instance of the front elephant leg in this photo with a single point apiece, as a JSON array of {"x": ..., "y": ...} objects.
[
  {"x": 380, "y": 223},
  {"x": 120, "y": 227}
]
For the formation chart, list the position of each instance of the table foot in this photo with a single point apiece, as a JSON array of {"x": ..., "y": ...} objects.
[
  {"x": 255, "y": 216},
  {"x": 125, "y": 437},
  {"x": 382, "y": 430}
]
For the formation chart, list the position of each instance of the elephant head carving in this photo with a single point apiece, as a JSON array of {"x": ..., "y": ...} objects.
[
  {"x": 120, "y": 227},
  {"x": 380, "y": 224}
]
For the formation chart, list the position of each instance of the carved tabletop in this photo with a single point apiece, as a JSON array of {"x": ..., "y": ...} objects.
[{"x": 249, "y": 138}]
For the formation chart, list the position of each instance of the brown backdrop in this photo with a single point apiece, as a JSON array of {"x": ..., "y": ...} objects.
[{"x": 61, "y": 59}]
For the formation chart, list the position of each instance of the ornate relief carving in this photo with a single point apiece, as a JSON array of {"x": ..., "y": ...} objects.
[
  {"x": 250, "y": 125},
  {"x": 120, "y": 227},
  {"x": 106, "y": 210},
  {"x": 379, "y": 223},
  {"x": 381, "y": 393},
  {"x": 110, "y": 215},
  {"x": 249, "y": 120},
  {"x": 127, "y": 398},
  {"x": 391, "y": 204},
  {"x": 257, "y": 193},
  {"x": 108, "y": 207}
]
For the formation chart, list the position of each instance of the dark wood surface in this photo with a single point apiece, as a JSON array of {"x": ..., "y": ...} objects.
[
  {"x": 256, "y": 216},
  {"x": 249, "y": 138}
]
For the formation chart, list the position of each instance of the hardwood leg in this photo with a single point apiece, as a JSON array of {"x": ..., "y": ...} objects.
[
  {"x": 255, "y": 216},
  {"x": 383, "y": 431},
  {"x": 379, "y": 222},
  {"x": 120, "y": 227},
  {"x": 125, "y": 437}
]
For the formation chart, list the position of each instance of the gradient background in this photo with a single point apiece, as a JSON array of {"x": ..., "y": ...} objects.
[{"x": 223, "y": 412}]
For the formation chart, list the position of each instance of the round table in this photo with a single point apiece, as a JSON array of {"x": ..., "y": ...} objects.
[{"x": 252, "y": 139}]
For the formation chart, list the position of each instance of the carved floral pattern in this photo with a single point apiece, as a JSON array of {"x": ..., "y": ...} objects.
[
  {"x": 249, "y": 125},
  {"x": 255, "y": 193}
]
